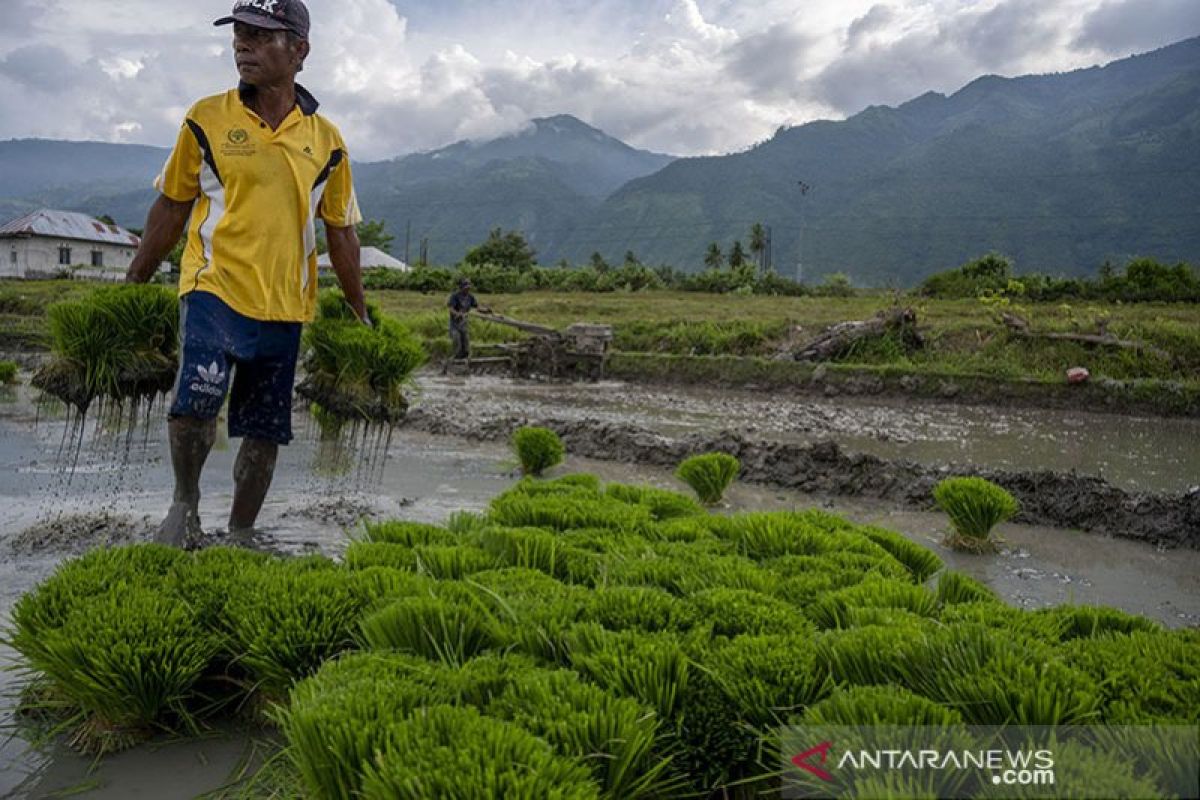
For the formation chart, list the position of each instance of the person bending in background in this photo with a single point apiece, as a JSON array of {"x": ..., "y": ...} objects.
[{"x": 460, "y": 304}]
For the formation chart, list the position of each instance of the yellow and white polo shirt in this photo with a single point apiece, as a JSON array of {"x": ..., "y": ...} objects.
[{"x": 252, "y": 237}]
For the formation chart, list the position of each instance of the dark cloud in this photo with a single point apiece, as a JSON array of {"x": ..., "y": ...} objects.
[
  {"x": 876, "y": 18},
  {"x": 1005, "y": 34},
  {"x": 41, "y": 66},
  {"x": 770, "y": 63},
  {"x": 1121, "y": 27}
]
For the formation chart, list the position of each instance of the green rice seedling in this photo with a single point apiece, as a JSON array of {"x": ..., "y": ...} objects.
[
  {"x": 286, "y": 621},
  {"x": 445, "y": 628},
  {"x": 831, "y": 611},
  {"x": 337, "y": 720},
  {"x": 1144, "y": 677},
  {"x": 879, "y": 705},
  {"x": 1097, "y": 768},
  {"x": 857, "y": 617},
  {"x": 709, "y": 475},
  {"x": 537, "y": 449},
  {"x": 562, "y": 513},
  {"x": 409, "y": 534},
  {"x": 537, "y": 609},
  {"x": 604, "y": 541},
  {"x": 686, "y": 529},
  {"x": 1013, "y": 622},
  {"x": 663, "y": 505},
  {"x": 954, "y": 588},
  {"x": 357, "y": 372},
  {"x": 620, "y": 608},
  {"x": 443, "y": 751},
  {"x": 364, "y": 555},
  {"x": 465, "y": 523},
  {"x": 770, "y": 677},
  {"x": 376, "y": 586},
  {"x": 734, "y": 612},
  {"x": 129, "y": 658},
  {"x": 452, "y": 562},
  {"x": 769, "y": 535},
  {"x": 1084, "y": 621},
  {"x": 652, "y": 668},
  {"x": 577, "y": 485},
  {"x": 617, "y": 738},
  {"x": 683, "y": 569},
  {"x": 863, "y": 656},
  {"x": 8, "y": 373},
  {"x": 920, "y": 561},
  {"x": 119, "y": 343},
  {"x": 541, "y": 550},
  {"x": 975, "y": 506}
]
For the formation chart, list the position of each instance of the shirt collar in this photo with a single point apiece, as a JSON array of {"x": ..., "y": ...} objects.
[{"x": 308, "y": 104}]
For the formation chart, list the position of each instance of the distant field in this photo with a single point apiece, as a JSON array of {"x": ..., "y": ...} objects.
[{"x": 963, "y": 336}]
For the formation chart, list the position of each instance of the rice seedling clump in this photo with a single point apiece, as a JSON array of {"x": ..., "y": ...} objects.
[
  {"x": 975, "y": 506},
  {"x": 118, "y": 344},
  {"x": 537, "y": 450},
  {"x": 8, "y": 373},
  {"x": 356, "y": 372},
  {"x": 579, "y": 640},
  {"x": 709, "y": 475}
]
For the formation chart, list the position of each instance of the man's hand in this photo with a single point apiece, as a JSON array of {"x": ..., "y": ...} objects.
[
  {"x": 164, "y": 225},
  {"x": 344, "y": 254}
]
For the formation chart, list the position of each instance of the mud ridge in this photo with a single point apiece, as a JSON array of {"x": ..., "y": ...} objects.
[{"x": 1063, "y": 500}]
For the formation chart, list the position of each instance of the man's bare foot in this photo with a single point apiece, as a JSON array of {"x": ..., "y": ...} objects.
[{"x": 181, "y": 527}]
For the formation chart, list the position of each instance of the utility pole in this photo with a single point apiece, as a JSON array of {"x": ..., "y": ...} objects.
[
  {"x": 804, "y": 187},
  {"x": 425, "y": 252},
  {"x": 407, "y": 240},
  {"x": 768, "y": 256}
]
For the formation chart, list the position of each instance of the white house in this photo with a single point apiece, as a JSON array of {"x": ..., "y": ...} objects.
[
  {"x": 368, "y": 257},
  {"x": 46, "y": 243}
]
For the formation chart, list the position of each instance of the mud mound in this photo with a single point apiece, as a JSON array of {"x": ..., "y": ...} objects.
[
  {"x": 343, "y": 512},
  {"x": 73, "y": 534},
  {"x": 1047, "y": 498}
]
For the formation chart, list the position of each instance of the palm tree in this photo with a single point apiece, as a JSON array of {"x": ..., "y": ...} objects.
[
  {"x": 758, "y": 243},
  {"x": 714, "y": 258},
  {"x": 737, "y": 256}
]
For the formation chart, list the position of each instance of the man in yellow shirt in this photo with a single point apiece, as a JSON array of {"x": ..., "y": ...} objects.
[{"x": 253, "y": 168}]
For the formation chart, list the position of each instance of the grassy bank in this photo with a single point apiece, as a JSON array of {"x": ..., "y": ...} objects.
[
  {"x": 965, "y": 339},
  {"x": 617, "y": 640}
]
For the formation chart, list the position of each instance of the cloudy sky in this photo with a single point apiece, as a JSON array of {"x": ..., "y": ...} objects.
[{"x": 678, "y": 76}]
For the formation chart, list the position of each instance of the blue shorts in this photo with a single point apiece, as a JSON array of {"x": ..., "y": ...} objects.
[{"x": 216, "y": 341}]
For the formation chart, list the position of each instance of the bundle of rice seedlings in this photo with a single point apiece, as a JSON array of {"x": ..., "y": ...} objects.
[
  {"x": 831, "y": 611},
  {"x": 652, "y": 668},
  {"x": 562, "y": 513},
  {"x": 409, "y": 534},
  {"x": 537, "y": 610},
  {"x": 128, "y": 658},
  {"x": 537, "y": 449},
  {"x": 683, "y": 570},
  {"x": 443, "y": 751},
  {"x": 579, "y": 485},
  {"x": 338, "y": 719},
  {"x": 539, "y": 549},
  {"x": 662, "y": 504},
  {"x": 1084, "y": 621},
  {"x": 617, "y": 738},
  {"x": 975, "y": 506},
  {"x": 955, "y": 587},
  {"x": 451, "y": 562},
  {"x": 286, "y": 621},
  {"x": 449, "y": 629},
  {"x": 119, "y": 344},
  {"x": 355, "y": 372},
  {"x": 8, "y": 373},
  {"x": 734, "y": 612},
  {"x": 863, "y": 656},
  {"x": 1038, "y": 628},
  {"x": 920, "y": 561},
  {"x": 645, "y": 608},
  {"x": 769, "y": 678},
  {"x": 879, "y": 705},
  {"x": 365, "y": 555},
  {"x": 709, "y": 475},
  {"x": 1143, "y": 677}
]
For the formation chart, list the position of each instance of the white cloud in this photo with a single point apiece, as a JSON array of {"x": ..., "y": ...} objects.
[{"x": 680, "y": 76}]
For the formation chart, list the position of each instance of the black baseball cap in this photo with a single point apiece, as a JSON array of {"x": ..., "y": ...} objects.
[{"x": 275, "y": 15}]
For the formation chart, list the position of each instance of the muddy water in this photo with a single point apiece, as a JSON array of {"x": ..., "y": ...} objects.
[
  {"x": 1143, "y": 453},
  {"x": 317, "y": 494}
]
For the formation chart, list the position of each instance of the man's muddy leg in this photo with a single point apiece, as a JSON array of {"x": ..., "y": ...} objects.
[
  {"x": 191, "y": 441},
  {"x": 252, "y": 473}
]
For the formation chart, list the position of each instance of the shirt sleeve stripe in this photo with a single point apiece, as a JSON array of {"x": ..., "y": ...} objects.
[{"x": 202, "y": 140}]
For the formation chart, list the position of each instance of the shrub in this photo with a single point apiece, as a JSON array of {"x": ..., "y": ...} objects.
[
  {"x": 975, "y": 506},
  {"x": 119, "y": 343},
  {"x": 443, "y": 751},
  {"x": 8, "y": 372},
  {"x": 709, "y": 475},
  {"x": 537, "y": 449}
]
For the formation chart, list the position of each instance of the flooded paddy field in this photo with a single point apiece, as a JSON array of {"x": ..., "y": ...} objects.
[{"x": 121, "y": 485}]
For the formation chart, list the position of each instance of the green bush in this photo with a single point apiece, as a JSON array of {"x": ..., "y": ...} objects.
[
  {"x": 709, "y": 475},
  {"x": 117, "y": 344},
  {"x": 975, "y": 506},
  {"x": 8, "y": 372},
  {"x": 443, "y": 751},
  {"x": 537, "y": 449}
]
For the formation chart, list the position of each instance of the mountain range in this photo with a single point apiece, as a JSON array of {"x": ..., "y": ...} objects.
[{"x": 1061, "y": 172}]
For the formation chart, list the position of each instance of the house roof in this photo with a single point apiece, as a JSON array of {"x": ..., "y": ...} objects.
[
  {"x": 369, "y": 257},
  {"x": 67, "y": 225}
]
